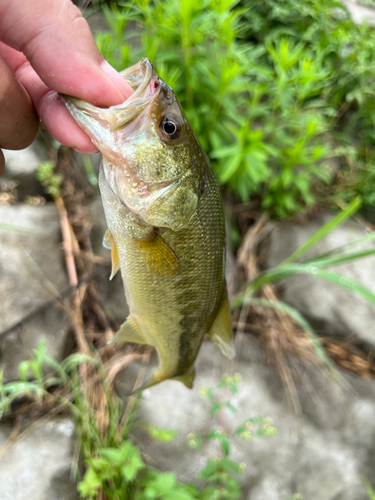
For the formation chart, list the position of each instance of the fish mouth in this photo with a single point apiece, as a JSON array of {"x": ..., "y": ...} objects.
[
  {"x": 146, "y": 84},
  {"x": 149, "y": 200}
]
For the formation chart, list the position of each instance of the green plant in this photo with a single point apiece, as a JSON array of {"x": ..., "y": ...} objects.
[
  {"x": 370, "y": 490},
  {"x": 289, "y": 87},
  {"x": 114, "y": 464},
  {"x": 49, "y": 179},
  {"x": 257, "y": 121},
  {"x": 221, "y": 472}
]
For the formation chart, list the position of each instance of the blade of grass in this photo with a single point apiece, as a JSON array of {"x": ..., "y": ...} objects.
[
  {"x": 370, "y": 491},
  {"x": 18, "y": 229},
  {"x": 365, "y": 239},
  {"x": 341, "y": 259},
  {"x": 323, "y": 231},
  {"x": 284, "y": 271}
]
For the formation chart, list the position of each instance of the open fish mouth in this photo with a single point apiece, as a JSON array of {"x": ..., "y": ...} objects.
[
  {"x": 169, "y": 203},
  {"x": 146, "y": 84}
]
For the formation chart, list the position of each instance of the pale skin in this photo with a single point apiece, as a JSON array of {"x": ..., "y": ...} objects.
[{"x": 46, "y": 48}]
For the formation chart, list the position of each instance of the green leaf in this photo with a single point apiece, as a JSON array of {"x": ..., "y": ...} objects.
[
  {"x": 230, "y": 167},
  {"x": 210, "y": 469},
  {"x": 90, "y": 484},
  {"x": 163, "y": 435},
  {"x": 326, "y": 229}
]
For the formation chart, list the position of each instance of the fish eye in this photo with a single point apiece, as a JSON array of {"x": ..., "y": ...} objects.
[{"x": 171, "y": 127}]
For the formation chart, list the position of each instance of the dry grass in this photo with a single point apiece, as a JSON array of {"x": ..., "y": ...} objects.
[{"x": 280, "y": 335}]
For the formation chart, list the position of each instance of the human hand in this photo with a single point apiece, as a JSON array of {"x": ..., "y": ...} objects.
[{"x": 46, "y": 47}]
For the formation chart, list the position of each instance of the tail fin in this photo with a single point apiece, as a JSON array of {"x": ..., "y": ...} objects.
[{"x": 155, "y": 378}]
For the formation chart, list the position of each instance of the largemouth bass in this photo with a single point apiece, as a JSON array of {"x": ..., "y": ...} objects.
[{"x": 165, "y": 223}]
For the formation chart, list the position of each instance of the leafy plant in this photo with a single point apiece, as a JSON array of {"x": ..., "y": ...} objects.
[
  {"x": 257, "y": 121},
  {"x": 221, "y": 472},
  {"x": 49, "y": 179},
  {"x": 113, "y": 463},
  {"x": 289, "y": 87}
]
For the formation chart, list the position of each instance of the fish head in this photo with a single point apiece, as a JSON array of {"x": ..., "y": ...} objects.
[{"x": 152, "y": 160}]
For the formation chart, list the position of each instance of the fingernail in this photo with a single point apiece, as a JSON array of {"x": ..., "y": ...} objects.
[
  {"x": 88, "y": 151},
  {"x": 117, "y": 79}
]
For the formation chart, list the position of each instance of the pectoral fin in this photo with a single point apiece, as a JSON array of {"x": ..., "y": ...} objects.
[
  {"x": 158, "y": 255},
  {"x": 108, "y": 242},
  {"x": 221, "y": 330},
  {"x": 129, "y": 332}
]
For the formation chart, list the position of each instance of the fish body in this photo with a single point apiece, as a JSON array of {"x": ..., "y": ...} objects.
[{"x": 165, "y": 223}]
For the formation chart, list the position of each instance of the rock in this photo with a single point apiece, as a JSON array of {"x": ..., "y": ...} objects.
[
  {"x": 37, "y": 465},
  {"x": 21, "y": 166},
  {"x": 31, "y": 272},
  {"x": 359, "y": 12},
  {"x": 332, "y": 309},
  {"x": 324, "y": 452}
]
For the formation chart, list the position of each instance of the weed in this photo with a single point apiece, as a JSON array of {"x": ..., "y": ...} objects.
[
  {"x": 221, "y": 472},
  {"x": 50, "y": 181}
]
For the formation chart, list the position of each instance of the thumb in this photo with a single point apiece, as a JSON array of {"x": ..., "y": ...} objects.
[{"x": 58, "y": 44}]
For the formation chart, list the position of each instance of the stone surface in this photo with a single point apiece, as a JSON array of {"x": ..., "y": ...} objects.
[
  {"x": 37, "y": 465},
  {"x": 360, "y": 12},
  {"x": 21, "y": 166},
  {"x": 332, "y": 309},
  {"x": 323, "y": 452},
  {"x": 31, "y": 273}
]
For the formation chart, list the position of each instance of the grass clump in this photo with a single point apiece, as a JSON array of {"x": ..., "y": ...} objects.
[{"x": 114, "y": 466}]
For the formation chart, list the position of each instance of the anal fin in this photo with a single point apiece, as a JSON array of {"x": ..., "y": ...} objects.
[
  {"x": 129, "y": 332},
  {"x": 221, "y": 330}
]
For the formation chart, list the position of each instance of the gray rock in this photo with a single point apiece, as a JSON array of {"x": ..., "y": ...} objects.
[
  {"x": 323, "y": 452},
  {"x": 31, "y": 273},
  {"x": 332, "y": 309},
  {"x": 359, "y": 12},
  {"x": 37, "y": 465},
  {"x": 21, "y": 166}
]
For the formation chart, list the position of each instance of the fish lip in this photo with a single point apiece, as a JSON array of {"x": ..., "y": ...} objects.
[{"x": 140, "y": 85}]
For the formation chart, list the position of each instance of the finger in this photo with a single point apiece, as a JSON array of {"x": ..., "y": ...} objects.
[
  {"x": 48, "y": 105},
  {"x": 58, "y": 44},
  {"x": 19, "y": 122}
]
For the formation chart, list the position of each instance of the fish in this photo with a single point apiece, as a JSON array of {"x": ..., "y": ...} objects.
[{"x": 166, "y": 228}]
